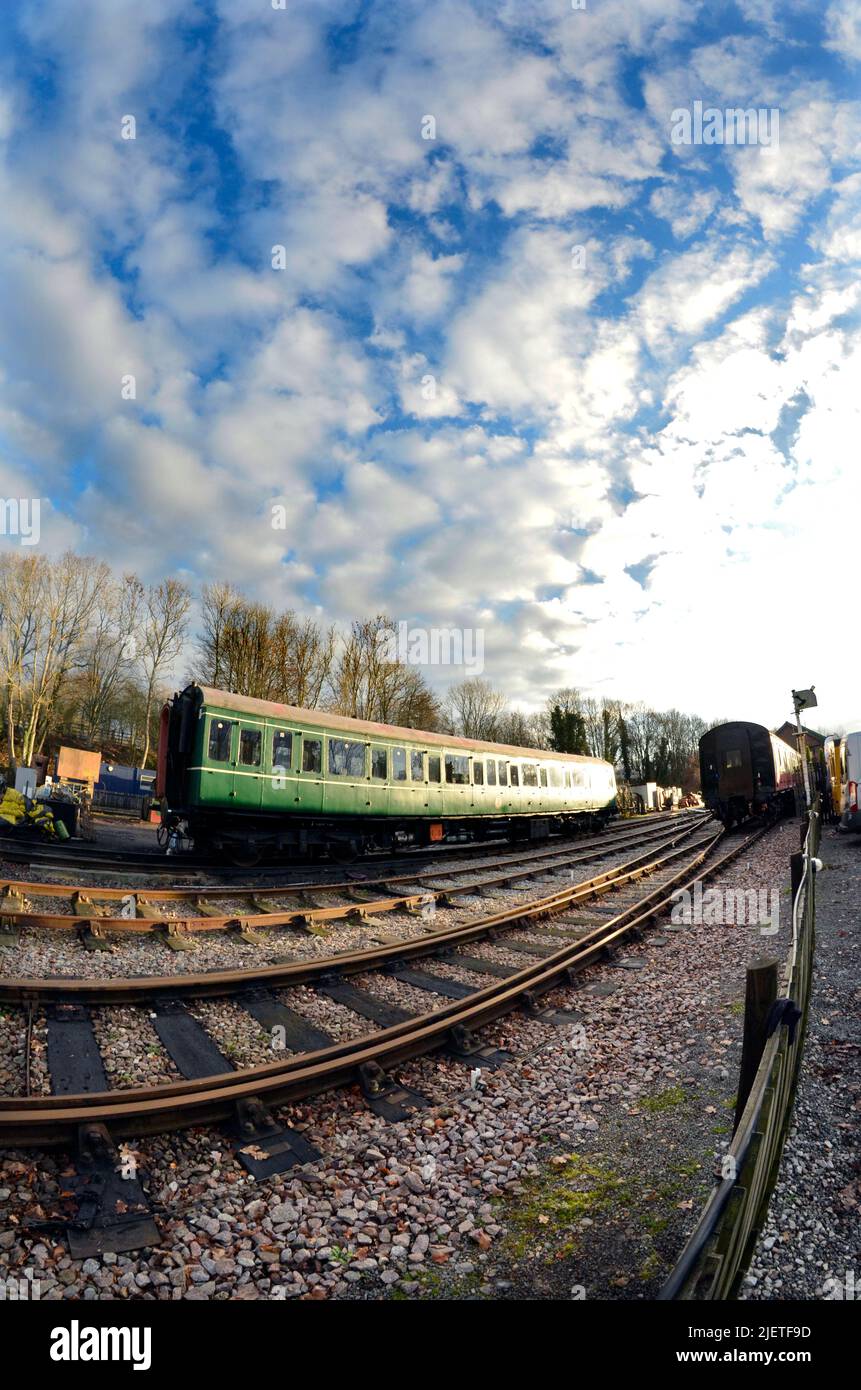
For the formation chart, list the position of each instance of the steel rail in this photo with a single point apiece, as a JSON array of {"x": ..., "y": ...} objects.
[
  {"x": 97, "y": 858},
  {"x": 52, "y": 1121},
  {"x": 180, "y": 892},
  {"x": 214, "y": 983},
  {"x": 536, "y": 866}
]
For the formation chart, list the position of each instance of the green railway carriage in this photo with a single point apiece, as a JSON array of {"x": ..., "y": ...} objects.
[{"x": 251, "y": 776}]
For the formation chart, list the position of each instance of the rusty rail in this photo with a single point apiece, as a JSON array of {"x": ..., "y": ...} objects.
[
  {"x": 212, "y": 983},
  {"x": 87, "y": 915},
  {"x": 54, "y": 1120}
]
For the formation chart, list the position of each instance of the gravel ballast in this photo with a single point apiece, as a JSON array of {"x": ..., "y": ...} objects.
[
  {"x": 810, "y": 1246},
  {"x": 577, "y": 1169}
]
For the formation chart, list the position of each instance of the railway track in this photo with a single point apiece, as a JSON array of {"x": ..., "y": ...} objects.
[
  {"x": 95, "y": 1116},
  {"x": 96, "y": 859},
  {"x": 94, "y": 912}
]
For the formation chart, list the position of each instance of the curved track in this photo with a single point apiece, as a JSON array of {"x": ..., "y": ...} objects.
[
  {"x": 202, "y": 912},
  {"x": 56, "y": 1120}
]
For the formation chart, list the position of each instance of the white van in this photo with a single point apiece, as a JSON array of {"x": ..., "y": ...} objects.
[{"x": 850, "y": 781}]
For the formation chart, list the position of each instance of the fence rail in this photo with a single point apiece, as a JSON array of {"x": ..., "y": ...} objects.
[
  {"x": 713, "y": 1263},
  {"x": 137, "y": 804}
]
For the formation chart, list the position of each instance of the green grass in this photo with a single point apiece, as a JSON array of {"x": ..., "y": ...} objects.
[
  {"x": 656, "y": 1224},
  {"x": 687, "y": 1169},
  {"x": 664, "y": 1100},
  {"x": 651, "y": 1266},
  {"x": 548, "y": 1216},
  {"x": 434, "y": 1283}
]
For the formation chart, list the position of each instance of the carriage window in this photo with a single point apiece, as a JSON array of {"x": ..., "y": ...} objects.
[
  {"x": 491, "y": 772},
  {"x": 250, "y": 741},
  {"x": 556, "y": 778},
  {"x": 503, "y": 776},
  {"x": 282, "y": 749},
  {"x": 456, "y": 769},
  {"x": 379, "y": 763},
  {"x": 219, "y": 740},
  {"x": 732, "y": 757},
  {"x": 417, "y": 771},
  {"x": 434, "y": 768},
  {"x": 515, "y": 775},
  {"x": 568, "y": 777},
  {"x": 399, "y": 765},
  {"x": 346, "y": 759},
  {"x": 530, "y": 775},
  {"x": 312, "y": 754},
  {"x": 544, "y": 776},
  {"x": 478, "y": 773}
]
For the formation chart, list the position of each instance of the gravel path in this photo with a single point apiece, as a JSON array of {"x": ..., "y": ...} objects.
[{"x": 810, "y": 1246}]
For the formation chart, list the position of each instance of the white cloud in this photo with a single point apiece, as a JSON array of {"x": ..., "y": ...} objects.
[
  {"x": 684, "y": 208},
  {"x": 692, "y": 411},
  {"x": 688, "y": 292},
  {"x": 843, "y": 25}
]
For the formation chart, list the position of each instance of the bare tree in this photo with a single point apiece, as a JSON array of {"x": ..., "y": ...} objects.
[
  {"x": 302, "y": 657},
  {"x": 218, "y": 605},
  {"x": 250, "y": 649},
  {"x": 110, "y": 648},
  {"x": 163, "y": 632},
  {"x": 590, "y": 711},
  {"x": 368, "y": 682},
  {"x": 474, "y": 708},
  {"x": 643, "y": 731},
  {"x": 21, "y": 584},
  {"x": 46, "y": 607},
  {"x": 516, "y": 728}
]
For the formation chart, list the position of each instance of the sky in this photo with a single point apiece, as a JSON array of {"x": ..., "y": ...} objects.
[{"x": 439, "y": 281}]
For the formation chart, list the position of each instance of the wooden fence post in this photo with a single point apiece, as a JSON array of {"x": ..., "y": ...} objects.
[
  {"x": 760, "y": 994},
  {"x": 796, "y": 873}
]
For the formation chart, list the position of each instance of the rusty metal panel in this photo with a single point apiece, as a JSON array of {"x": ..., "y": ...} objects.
[{"x": 78, "y": 765}]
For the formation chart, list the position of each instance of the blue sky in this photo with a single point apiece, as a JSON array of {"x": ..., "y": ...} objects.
[{"x": 617, "y": 464}]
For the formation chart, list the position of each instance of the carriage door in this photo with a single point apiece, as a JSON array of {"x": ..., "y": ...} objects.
[
  {"x": 734, "y": 761},
  {"x": 248, "y": 768},
  {"x": 309, "y": 782},
  {"x": 433, "y": 785},
  {"x": 219, "y": 751}
]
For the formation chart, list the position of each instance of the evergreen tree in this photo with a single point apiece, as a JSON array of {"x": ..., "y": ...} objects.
[{"x": 625, "y": 748}]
